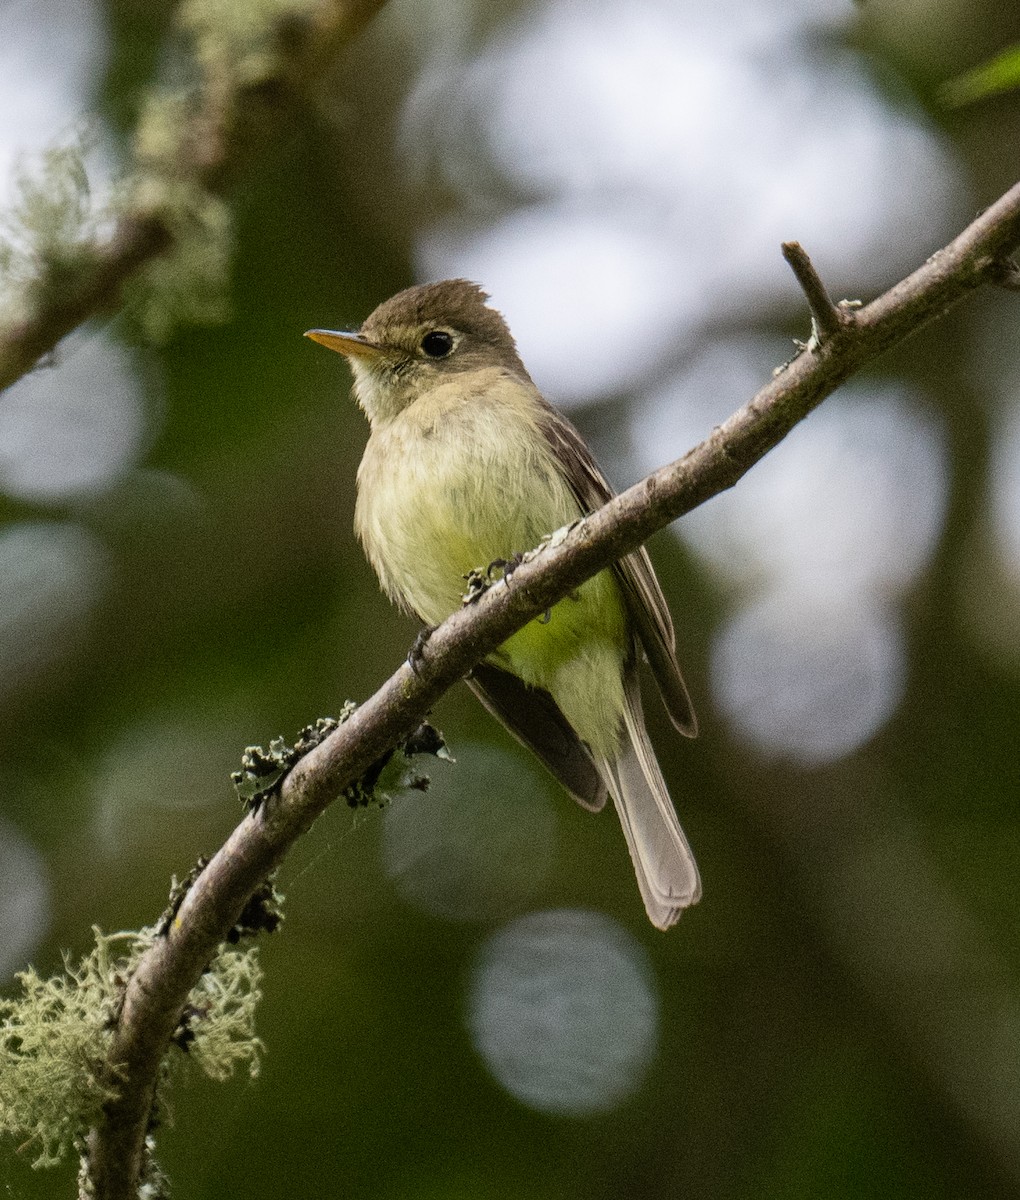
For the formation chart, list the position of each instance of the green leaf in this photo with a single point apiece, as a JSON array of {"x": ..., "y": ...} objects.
[{"x": 1000, "y": 74}]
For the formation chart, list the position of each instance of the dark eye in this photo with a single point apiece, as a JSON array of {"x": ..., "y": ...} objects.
[{"x": 437, "y": 344}]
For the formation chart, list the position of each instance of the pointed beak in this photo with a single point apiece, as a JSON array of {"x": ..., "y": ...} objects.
[{"x": 351, "y": 345}]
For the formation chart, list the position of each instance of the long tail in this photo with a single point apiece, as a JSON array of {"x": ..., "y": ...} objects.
[{"x": 666, "y": 871}]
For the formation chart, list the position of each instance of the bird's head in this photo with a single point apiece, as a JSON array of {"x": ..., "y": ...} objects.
[{"x": 419, "y": 339}]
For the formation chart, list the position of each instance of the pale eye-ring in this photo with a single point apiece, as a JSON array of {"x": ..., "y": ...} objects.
[{"x": 437, "y": 343}]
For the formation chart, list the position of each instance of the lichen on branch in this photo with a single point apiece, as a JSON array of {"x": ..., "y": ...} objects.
[
  {"x": 56, "y": 1035},
  {"x": 161, "y": 246}
]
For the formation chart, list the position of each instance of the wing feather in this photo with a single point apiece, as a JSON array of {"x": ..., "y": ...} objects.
[
  {"x": 645, "y": 602},
  {"x": 534, "y": 718}
]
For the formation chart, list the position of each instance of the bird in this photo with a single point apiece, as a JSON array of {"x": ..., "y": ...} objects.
[{"x": 468, "y": 464}]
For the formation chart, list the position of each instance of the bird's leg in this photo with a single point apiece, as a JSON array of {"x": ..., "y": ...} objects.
[
  {"x": 416, "y": 653},
  {"x": 480, "y": 579},
  {"x": 505, "y": 566}
]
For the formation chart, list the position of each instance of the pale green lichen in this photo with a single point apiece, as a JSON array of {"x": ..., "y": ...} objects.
[
  {"x": 221, "y": 1016},
  {"x": 50, "y": 238},
  {"x": 46, "y": 235},
  {"x": 236, "y": 44},
  {"x": 189, "y": 284},
  {"x": 240, "y": 37},
  {"x": 262, "y": 771},
  {"x": 53, "y": 1041},
  {"x": 56, "y": 1035}
]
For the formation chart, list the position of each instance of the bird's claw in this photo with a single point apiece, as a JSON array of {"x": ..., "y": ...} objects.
[
  {"x": 508, "y": 566},
  {"x": 480, "y": 579},
  {"x": 417, "y": 651}
]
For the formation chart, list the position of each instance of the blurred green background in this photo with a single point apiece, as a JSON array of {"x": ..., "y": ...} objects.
[{"x": 465, "y": 999}]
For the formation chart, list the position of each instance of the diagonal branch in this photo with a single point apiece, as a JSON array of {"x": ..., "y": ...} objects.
[
  {"x": 158, "y": 990},
  {"x": 230, "y": 122}
]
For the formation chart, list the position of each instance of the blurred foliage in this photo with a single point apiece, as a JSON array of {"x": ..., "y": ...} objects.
[
  {"x": 49, "y": 225},
  {"x": 817, "y": 1038},
  {"x": 190, "y": 285},
  {"x": 1001, "y": 74}
]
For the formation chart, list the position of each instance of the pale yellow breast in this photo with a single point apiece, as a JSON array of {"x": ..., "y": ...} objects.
[{"x": 458, "y": 479}]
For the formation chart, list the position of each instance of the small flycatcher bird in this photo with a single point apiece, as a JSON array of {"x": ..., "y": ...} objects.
[{"x": 467, "y": 464}]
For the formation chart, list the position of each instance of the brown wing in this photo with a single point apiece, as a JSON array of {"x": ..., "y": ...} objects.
[
  {"x": 534, "y": 718},
  {"x": 642, "y": 593}
]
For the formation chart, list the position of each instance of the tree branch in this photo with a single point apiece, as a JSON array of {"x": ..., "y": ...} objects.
[
  {"x": 829, "y": 319},
  {"x": 229, "y": 123},
  {"x": 158, "y": 990}
]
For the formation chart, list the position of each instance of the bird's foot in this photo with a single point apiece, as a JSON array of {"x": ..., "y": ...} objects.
[
  {"x": 480, "y": 579},
  {"x": 504, "y": 566},
  {"x": 417, "y": 651}
]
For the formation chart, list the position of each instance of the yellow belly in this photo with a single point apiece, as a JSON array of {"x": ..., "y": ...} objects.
[{"x": 448, "y": 487}]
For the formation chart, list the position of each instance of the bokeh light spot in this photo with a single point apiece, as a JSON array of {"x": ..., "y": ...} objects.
[
  {"x": 482, "y": 841},
  {"x": 73, "y": 428},
  {"x": 1004, "y": 475},
  {"x": 50, "y": 54},
  {"x": 563, "y": 1010},
  {"x": 806, "y": 677},
  {"x": 174, "y": 758},
  {"x": 853, "y": 499},
  {"x": 51, "y": 577},
  {"x": 631, "y": 228},
  {"x": 24, "y": 899}
]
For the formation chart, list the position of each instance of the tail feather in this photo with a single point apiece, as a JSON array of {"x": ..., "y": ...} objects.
[{"x": 666, "y": 871}]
